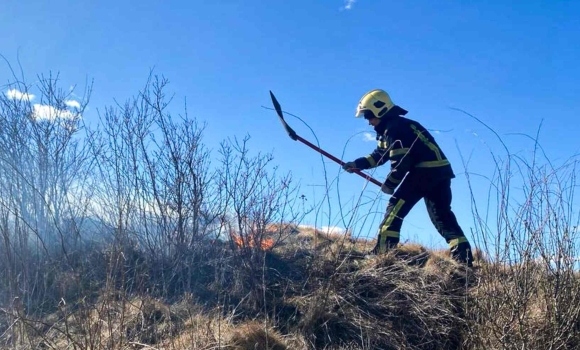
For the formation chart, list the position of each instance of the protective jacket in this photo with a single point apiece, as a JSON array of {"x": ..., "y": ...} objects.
[{"x": 410, "y": 148}]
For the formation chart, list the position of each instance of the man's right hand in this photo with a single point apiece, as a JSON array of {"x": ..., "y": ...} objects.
[{"x": 349, "y": 167}]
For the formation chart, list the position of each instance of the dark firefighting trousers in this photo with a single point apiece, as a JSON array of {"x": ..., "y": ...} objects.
[{"x": 438, "y": 201}]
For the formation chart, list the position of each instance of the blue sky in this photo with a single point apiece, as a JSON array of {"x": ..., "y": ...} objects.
[{"x": 511, "y": 64}]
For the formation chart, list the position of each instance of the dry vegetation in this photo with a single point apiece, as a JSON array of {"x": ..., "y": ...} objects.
[{"x": 126, "y": 236}]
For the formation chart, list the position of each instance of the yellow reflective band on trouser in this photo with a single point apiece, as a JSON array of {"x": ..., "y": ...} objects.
[
  {"x": 371, "y": 161},
  {"x": 432, "y": 164},
  {"x": 397, "y": 152},
  {"x": 454, "y": 242},
  {"x": 384, "y": 231},
  {"x": 383, "y": 239}
]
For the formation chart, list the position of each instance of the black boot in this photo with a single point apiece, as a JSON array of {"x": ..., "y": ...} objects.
[{"x": 462, "y": 254}]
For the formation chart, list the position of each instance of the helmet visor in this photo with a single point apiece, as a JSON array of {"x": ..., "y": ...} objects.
[{"x": 365, "y": 113}]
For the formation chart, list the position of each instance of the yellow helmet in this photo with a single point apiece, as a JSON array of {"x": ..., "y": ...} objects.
[{"x": 376, "y": 102}]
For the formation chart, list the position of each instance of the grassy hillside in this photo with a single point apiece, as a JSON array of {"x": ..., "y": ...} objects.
[{"x": 311, "y": 291}]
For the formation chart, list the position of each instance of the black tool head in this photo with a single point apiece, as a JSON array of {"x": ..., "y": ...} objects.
[{"x": 289, "y": 130}]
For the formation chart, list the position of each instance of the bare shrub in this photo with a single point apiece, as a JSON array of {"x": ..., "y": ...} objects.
[
  {"x": 528, "y": 295},
  {"x": 252, "y": 198},
  {"x": 44, "y": 167}
]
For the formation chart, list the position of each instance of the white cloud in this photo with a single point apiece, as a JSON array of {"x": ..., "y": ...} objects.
[
  {"x": 72, "y": 104},
  {"x": 348, "y": 4},
  {"x": 324, "y": 229},
  {"x": 50, "y": 113},
  {"x": 14, "y": 94},
  {"x": 367, "y": 136},
  {"x": 332, "y": 229}
]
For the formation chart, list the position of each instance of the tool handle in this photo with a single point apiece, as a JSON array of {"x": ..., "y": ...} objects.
[{"x": 356, "y": 171}]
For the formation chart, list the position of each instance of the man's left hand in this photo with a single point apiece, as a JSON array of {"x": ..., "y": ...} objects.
[{"x": 387, "y": 190}]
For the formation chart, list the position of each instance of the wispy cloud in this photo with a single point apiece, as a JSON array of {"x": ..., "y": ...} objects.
[
  {"x": 14, "y": 94},
  {"x": 367, "y": 136},
  {"x": 348, "y": 4},
  {"x": 50, "y": 113}
]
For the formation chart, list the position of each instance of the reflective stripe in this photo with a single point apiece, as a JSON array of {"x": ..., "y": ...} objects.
[
  {"x": 394, "y": 212},
  {"x": 371, "y": 161},
  {"x": 384, "y": 232},
  {"x": 383, "y": 239},
  {"x": 432, "y": 164},
  {"x": 426, "y": 141},
  {"x": 394, "y": 180},
  {"x": 383, "y": 144},
  {"x": 392, "y": 234},
  {"x": 454, "y": 242},
  {"x": 399, "y": 151}
]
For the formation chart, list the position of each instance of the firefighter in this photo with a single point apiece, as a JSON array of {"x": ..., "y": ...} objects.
[{"x": 419, "y": 169}]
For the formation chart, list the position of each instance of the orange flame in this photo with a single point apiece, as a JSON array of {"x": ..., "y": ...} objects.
[{"x": 265, "y": 243}]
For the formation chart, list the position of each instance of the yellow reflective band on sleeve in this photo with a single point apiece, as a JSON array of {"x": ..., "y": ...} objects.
[
  {"x": 394, "y": 180},
  {"x": 397, "y": 152},
  {"x": 383, "y": 144},
  {"x": 432, "y": 164},
  {"x": 456, "y": 241},
  {"x": 371, "y": 161},
  {"x": 426, "y": 141}
]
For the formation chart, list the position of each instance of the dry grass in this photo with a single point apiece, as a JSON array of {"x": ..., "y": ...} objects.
[
  {"x": 255, "y": 336},
  {"x": 201, "y": 331},
  {"x": 325, "y": 297}
]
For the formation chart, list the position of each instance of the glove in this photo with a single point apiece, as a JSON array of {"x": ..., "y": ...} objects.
[
  {"x": 349, "y": 167},
  {"x": 387, "y": 190}
]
